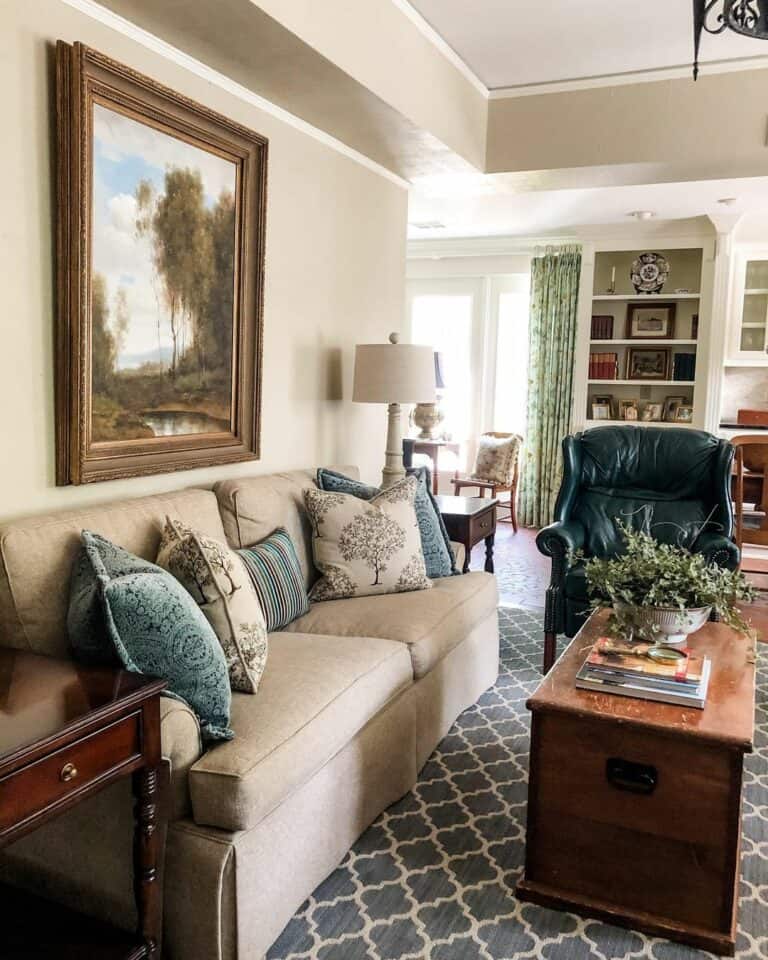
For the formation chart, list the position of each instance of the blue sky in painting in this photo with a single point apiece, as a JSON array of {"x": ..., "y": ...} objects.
[{"x": 125, "y": 152}]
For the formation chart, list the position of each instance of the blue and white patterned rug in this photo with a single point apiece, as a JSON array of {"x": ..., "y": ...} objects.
[{"x": 433, "y": 878}]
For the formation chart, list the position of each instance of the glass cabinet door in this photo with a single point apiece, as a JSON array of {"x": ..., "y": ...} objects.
[{"x": 754, "y": 311}]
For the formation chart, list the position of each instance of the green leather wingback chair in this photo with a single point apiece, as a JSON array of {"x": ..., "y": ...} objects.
[{"x": 674, "y": 482}]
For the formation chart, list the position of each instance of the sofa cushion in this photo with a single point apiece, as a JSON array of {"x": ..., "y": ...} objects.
[
  {"x": 435, "y": 543},
  {"x": 36, "y": 557},
  {"x": 317, "y": 692},
  {"x": 430, "y": 622},
  {"x": 252, "y": 507},
  {"x": 275, "y": 574},
  {"x": 366, "y": 547},
  {"x": 217, "y": 580}
]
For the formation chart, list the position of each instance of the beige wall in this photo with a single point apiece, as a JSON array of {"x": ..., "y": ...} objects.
[
  {"x": 712, "y": 128},
  {"x": 334, "y": 276}
]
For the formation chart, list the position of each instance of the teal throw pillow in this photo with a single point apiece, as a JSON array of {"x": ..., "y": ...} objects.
[
  {"x": 276, "y": 576},
  {"x": 151, "y": 625},
  {"x": 435, "y": 542}
]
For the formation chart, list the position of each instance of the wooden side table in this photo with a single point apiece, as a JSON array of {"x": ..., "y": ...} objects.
[
  {"x": 469, "y": 520},
  {"x": 634, "y": 806},
  {"x": 66, "y": 732},
  {"x": 432, "y": 448}
]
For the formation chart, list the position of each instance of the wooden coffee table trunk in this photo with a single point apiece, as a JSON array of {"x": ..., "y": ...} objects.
[{"x": 634, "y": 808}]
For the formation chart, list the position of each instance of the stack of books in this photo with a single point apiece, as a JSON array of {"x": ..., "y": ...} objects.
[
  {"x": 628, "y": 670},
  {"x": 684, "y": 366},
  {"x": 602, "y": 327},
  {"x": 603, "y": 366}
]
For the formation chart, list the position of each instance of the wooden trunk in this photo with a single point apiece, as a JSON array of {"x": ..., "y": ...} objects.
[{"x": 634, "y": 807}]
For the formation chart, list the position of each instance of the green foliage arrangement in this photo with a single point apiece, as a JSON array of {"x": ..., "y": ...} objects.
[{"x": 653, "y": 574}]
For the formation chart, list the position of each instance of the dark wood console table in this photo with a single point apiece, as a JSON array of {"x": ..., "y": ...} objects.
[{"x": 66, "y": 732}]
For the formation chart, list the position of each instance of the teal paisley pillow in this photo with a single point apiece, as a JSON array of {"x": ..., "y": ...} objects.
[
  {"x": 435, "y": 543},
  {"x": 149, "y": 624}
]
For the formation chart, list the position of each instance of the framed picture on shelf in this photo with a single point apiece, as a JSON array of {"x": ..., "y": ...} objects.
[
  {"x": 670, "y": 406},
  {"x": 656, "y": 322},
  {"x": 683, "y": 413},
  {"x": 160, "y": 249},
  {"x": 601, "y": 411},
  {"x": 647, "y": 363},
  {"x": 605, "y": 398},
  {"x": 652, "y": 412},
  {"x": 629, "y": 409}
]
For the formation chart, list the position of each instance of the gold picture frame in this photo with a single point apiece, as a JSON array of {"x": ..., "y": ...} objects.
[{"x": 159, "y": 336}]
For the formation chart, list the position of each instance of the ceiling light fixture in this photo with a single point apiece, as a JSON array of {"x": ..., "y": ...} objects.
[
  {"x": 747, "y": 17},
  {"x": 642, "y": 214},
  {"x": 727, "y": 201}
]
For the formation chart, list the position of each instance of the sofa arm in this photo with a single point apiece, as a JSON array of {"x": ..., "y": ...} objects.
[
  {"x": 562, "y": 538},
  {"x": 718, "y": 549},
  {"x": 182, "y": 748}
]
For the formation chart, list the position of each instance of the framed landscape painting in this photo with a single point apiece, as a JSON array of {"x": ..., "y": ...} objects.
[{"x": 161, "y": 211}]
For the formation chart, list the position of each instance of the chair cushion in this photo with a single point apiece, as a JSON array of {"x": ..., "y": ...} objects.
[
  {"x": 430, "y": 622},
  {"x": 435, "y": 543},
  {"x": 317, "y": 692}
]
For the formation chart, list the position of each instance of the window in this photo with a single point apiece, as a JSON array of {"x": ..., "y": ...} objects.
[{"x": 510, "y": 402}]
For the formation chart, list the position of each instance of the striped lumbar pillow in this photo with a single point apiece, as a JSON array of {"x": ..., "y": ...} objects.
[{"x": 276, "y": 575}]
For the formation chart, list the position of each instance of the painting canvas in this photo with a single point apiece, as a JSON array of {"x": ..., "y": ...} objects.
[
  {"x": 160, "y": 244},
  {"x": 162, "y": 283},
  {"x": 656, "y": 322},
  {"x": 647, "y": 364}
]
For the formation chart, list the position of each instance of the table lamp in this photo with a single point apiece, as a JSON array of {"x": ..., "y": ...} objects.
[{"x": 393, "y": 373}]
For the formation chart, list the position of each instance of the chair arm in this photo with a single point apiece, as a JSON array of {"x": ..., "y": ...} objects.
[
  {"x": 718, "y": 549},
  {"x": 561, "y": 538},
  {"x": 472, "y": 482}
]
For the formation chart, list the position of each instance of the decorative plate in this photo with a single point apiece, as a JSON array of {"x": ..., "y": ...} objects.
[{"x": 649, "y": 273}]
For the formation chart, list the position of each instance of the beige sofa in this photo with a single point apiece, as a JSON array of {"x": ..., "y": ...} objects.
[{"x": 354, "y": 698}]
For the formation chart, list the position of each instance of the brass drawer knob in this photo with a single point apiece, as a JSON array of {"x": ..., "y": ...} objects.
[{"x": 68, "y": 772}]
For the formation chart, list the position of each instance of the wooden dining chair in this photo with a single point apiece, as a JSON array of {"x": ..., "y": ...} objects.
[
  {"x": 497, "y": 469},
  {"x": 751, "y": 469}
]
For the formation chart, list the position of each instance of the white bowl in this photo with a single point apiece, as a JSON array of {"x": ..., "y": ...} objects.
[{"x": 664, "y": 626}]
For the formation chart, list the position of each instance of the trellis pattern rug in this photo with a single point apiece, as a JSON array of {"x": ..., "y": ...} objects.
[{"x": 434, "y": 877}]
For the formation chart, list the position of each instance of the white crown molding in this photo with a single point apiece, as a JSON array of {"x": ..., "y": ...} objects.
[
  {"x": 624, "y": 79},
  {"x": 481, "y": 246},
  {"x": 428, "y": 31},
  {"x": 148, "y": 40}
]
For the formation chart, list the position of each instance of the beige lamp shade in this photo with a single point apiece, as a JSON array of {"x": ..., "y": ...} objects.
[{"x": 394, "y": 373}]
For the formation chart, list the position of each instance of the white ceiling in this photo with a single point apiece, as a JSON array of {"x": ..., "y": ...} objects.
[
  {"x": 517, "y": 42},
  {"x": 482, "y": 206}
]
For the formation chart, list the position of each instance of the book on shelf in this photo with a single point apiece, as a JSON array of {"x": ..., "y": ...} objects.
[
  {"x": 684, "y": 366},
  {"x": 603, "y": 366},
  {"x": 602, "y": 327},
  {"x": 626, "y": 670}
]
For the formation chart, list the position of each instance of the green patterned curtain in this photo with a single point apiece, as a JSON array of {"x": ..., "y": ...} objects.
[{"x": 554, "y": 301}]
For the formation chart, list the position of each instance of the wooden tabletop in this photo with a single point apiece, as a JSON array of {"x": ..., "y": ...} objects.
[
  {"x": 42, "y": 697},
  {"x": 727, "y": 718},
  {"x": 464, "y": 506}
]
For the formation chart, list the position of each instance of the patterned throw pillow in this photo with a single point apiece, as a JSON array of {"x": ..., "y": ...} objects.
[
  {"x": 219, "y": 584},
  {"x": 276, "y": 575},
  {"x": 435, "y": 542},
  {"x": 366, "y": 547},
  {"x": 496, "y": 458},
  {"x": 153, "y": 626}
]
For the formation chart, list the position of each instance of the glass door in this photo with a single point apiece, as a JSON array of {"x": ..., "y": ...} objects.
[{"x": 749, "y": 333}]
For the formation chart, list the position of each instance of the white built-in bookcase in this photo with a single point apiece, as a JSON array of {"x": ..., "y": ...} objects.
[{"x": 691, "y": 261}]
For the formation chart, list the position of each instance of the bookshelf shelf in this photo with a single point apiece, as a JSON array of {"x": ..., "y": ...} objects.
[
  {"x": 647, "y": 343},
  {"x": 646, "y": 383},
  {"x": 588, "y": 424},
  {"x": 650, "y": 297}
]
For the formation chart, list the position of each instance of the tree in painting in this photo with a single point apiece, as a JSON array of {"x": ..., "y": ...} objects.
[
  {"x": 162, "y": 296},
  {"x": 373, "y": 538}
]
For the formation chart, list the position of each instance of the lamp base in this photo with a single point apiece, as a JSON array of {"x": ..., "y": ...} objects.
[{"x": 393, "y": 457}]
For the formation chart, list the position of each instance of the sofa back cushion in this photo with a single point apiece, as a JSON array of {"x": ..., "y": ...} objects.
[
  {"x": 253, "y": 507},
  {"x": 37, "y": 554}
]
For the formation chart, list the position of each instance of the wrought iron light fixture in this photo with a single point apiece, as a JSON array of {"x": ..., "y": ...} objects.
[{"x": 747, "y": 17}]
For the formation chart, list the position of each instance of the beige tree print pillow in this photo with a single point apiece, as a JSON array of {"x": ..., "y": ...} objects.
[
  {"x": 496, "y": 457},
  {"x": 215, "y": 577},
  {"x": 366, "y": 547}
]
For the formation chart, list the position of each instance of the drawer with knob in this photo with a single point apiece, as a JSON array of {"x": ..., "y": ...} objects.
[
  {"x": 484, "y": 525},
  {"x": 69, "y": 770}
]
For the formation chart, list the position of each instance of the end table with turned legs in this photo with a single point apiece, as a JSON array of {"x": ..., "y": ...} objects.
[
  {"x": 69, "y": 732},
  {"x": 469, "y": 520}
]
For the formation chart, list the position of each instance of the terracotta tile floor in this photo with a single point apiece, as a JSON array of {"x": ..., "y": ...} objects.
[{"x": 523, "y": 574}]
